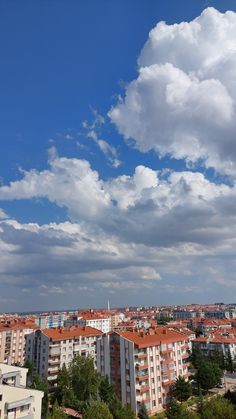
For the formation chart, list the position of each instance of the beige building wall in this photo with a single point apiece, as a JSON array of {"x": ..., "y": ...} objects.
[
  {"x": 16, "y": 403},
  {"x": 13, "y": 374}
]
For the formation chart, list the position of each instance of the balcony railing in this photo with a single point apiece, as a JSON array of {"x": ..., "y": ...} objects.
[{"x": 141, "y": 366}]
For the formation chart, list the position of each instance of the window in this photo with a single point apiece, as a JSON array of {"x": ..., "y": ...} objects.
[{"x": 25, "y": 407}]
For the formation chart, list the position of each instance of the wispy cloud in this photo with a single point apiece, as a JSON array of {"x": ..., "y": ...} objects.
[{"x": 92, "y": 131}]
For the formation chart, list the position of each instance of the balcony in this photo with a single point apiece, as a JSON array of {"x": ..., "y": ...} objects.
[
  {"x": 143, "y": 377},
  {"x": 52, "y": 372},
  {"x": 185, "y": 355},
  {"x": 168, "y": 382},
  {"x": 19, "y": 403},
  {"x": 144, "y": 389},
  {"x": 53, "y": 355},
  {"x": 166, "y": 361},
  {"x": 141, "y": 356},
  {"x": 28, "y": 416},
  {"x": 54, "y": 363},
  {"x": 141, "y": 366}
]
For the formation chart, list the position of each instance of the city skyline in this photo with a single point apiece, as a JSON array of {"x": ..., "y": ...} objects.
[{"x": 118, "y": 154}]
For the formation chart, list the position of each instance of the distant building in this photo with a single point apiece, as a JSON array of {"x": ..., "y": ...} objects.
[
  {"x": 217, "y": 342},
  {"x": 50, "y": 320},
  {"x": 98, "y": 322},
  {"x": 12, "y": 340},
  {"x": 142, "y": 366},
  {"x": 16, "y": 401},
  {"x": 49, "y": 349}
]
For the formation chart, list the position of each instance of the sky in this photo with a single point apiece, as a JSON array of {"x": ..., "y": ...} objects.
[{"x": 118, "y": 153}]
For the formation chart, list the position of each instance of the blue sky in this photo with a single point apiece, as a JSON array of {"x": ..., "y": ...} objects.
[{"x": 73, "y": 135}]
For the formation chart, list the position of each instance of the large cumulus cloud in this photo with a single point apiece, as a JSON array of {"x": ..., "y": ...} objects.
[
  {"x": 183, "y": 100},
  {"x": 151, "y": 230},
  {"x": 150, "y": 207}
]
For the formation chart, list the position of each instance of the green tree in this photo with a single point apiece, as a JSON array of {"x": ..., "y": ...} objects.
[
  {"x": 106, "y": 390},
  {"x": 181, "y": 389},
  {"x": 121, "y": 412},
  {"x": 56, "y": 413},
  {"x": 178, "y": 411},
  {"x": 196, "y": 357},
  {"x": 64, "y": 392},
  {"x": 143, "y": 414},
  {"x": 198, "y": 332},
  {"x": 208, "y": 375},
  {"x": 42, "y": 385},
  {"x": 231, "y": 396},
  {"x": 84, "y": 379},
  {"x": 163, "y": 319},
  {"x": 28, "y": 364},
  {"x": 217, "y": 357},
  {"x": 229, "y": 362},
  {"x": 98, "y": 410},
  {"x": 218, "y": 408}
]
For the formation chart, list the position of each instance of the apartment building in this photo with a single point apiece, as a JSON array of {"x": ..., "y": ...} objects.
[
  {"x": 16, "y": 401},
  {"x": 11, "y": 375},
  {"x": 143, "y": 365},
  {"x": 221, "y": 341},
  {"x": 50, "y": 320},
  {"x": 99, "y": 322},
  {"x": 49, "y": 349},
  {"x": 12, "y": 340}
]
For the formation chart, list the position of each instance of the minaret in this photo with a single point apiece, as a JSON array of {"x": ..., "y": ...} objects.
[{"x": 108, "y": 305}]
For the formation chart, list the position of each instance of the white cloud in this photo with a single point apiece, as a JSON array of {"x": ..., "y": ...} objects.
[
  {"x": 92, "y": 130},
  {"x": 149, "y": 207},
  {"x": 183, "y": 100},
  {"x": 3, "y": 215},
  {"x": 70, "y": 183}
]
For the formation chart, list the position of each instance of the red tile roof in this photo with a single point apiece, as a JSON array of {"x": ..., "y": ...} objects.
[
  {"x": 72, "y": 332},
  {"x": 153, "y": 338}
]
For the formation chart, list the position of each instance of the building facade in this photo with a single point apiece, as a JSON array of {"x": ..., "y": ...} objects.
[
  {"x": 16, "y": 401},
  {"x": 12, "y": 340},
  {"x": 98, "y": 322},
  {"x": 142, "y": 366},
  {"x": 50, "y": 349},
  {"x": 50, "y": 320}
]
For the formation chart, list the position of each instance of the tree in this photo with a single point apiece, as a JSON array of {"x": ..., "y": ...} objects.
[
  {"x": 143, "y": 414},
  {"x": 56, "y": 413},
  {"x": 229, "y": 362},
  {"x": 163, "y": 319},
  {"x": 178, "y": 411},
  {"x": 64, "y": 392},
  {"x": 181, "y": 389},
  {"x": 121, "y": 412},
  {"x": 196, "y": 357},
  {"x": 231, "y": 396},
  {"x": 28, "y": 364},
  {"x": 42, "y": 385},
  {"x": 106, "y": 390},
  {"x": 85, "y": 380},
  {"x": 198, "y": 332},
  {"x": 98, "y": 410},
  {"x": 217, "y": 357},
  {"x": 208, "y": 375},
  {"x": 218, "y": 408}
]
